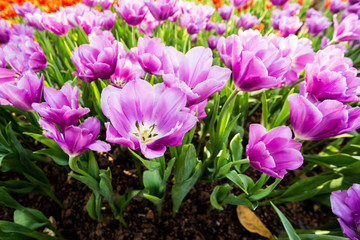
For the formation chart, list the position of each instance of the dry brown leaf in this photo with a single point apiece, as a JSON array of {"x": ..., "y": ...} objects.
[{"x": 251, "y": 222}]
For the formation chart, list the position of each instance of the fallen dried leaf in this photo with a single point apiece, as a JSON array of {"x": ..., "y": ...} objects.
[{"x": 251, "y": 222}]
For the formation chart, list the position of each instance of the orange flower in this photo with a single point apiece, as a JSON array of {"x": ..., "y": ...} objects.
[
  {"x": 268, "y": 4},
  {"x": 259, "y": 26},
  {"x": 300, "y": 2},
  {"x": 248, "y": 4},
  {"x": 3, "y": 4},
  {"x": 327, "y": 4},
  {"x": 7, "y": 12}
]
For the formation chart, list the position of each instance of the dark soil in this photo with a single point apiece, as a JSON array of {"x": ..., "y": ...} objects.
[{"x": 192, "y": 222}]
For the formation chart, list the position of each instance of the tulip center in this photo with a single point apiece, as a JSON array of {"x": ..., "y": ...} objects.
[
  {"x": 120, "y": 82},
  {"x": 145, "y": 134}
]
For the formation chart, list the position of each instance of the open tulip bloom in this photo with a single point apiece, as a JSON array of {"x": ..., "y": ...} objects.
[{"x": 145, "y": 117}]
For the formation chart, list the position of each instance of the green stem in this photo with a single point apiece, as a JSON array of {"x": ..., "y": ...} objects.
[
  {"x": 227, "y": 103},
  {"x": 242, "y": 161}
]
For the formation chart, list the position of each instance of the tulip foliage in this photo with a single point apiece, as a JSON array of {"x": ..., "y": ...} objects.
[{"x": 237, "y": 96}]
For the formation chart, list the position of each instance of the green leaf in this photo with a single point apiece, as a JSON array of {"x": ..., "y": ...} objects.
[
  {"x": 106, "y": 189},
  {"x": 287, "y": 225},
  {"x": 181, "y": 189},
  {"x": 93, "y": 206},
  {"x": 261, "y": 193},
  {"x": 93, "y": 168},
  {"x": 284, "y": 113},
  {"x": 338, "y": 160},
  {"x": 153, "y": 183},
  {"x": 307, "y": 187},
  {"x": 240, "y": 200},
  {"x": 218, "y": 195},
  {"x": 17, "y": 186},
  {"x": 242, "y": 181},
  {"x": 265, "y": 110},
  {"x": 7, "y": 201},
  {"x": 236, "y": 147},
  {"x": 60, "y": 158},
  {"x": 185, "y": 164},
  {"x": 30, "y": 218}
]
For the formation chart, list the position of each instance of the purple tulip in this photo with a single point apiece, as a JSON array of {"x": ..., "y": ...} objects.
[
  {"x": 353, "y": 8},
  {"x": 209, "y": 26},
  {"x": 161, "y": 9},
  {"x": 289, "y": 25},
  {"x": 5, "y": 30},
  {"x": 24, "y": 91},
  {"x": 238, "y": 3},
  {"x": 278, "y": 2},
  {"x": 145, "y": 117},
  {"x": 109, "y": 19},
  {"x": 220, "y": 28},
  {"x": 148, "y": 24},
  {"x": 212, "y": 41},
  {"x": 74, "y": 13},
  {"x": 75, "y": 140},
  {"x": 150, "y": 53},
  {"x": 337, "y": 5},
  {"x": 313, "y": 120},
  {"x": 105, "y": 4},
  {"x": 247, "y": 21},
  {"x": 61, "y": 106},
  {"x": 126, "y": 70},
  {"x": 22, "y": 10},
  {"x": 225, "y": 49},
  {"x": 273, "y": 152},
  {"x": 193, "y": 24},
  {"x": 332, "y": 76},
  {"x": 3, "y": 62},
  {"x": 324, "y": 42},
  {"x": 256, "y": 62},
  {"x": 132, "y": 11},
  {"x": 7, "y": 76},
  {"x": 291, "y": 8},
  {"x": 90, "y": 3},
  {"x": 95, "y": 60},
  {"x": 35, "y": 20},
  {"x": 311, "y": 11},
  {"x": 196, "y": 17},
  {"x": 25, "y": 55},
  {"x": 225, "y": 11},
  {"x": 345, "y": 205},
  {"x": 56, "y": 23},
  {"x": 276, "y": 17},
  {"x": 20, "y": 33},
  {"x": 90, "y": 20},
  {"x": 316, "y": 24},
  {"x": 348, "y": 30},
  {"x": 300, "y": 51},
  {"x": 194, "y": 74}
]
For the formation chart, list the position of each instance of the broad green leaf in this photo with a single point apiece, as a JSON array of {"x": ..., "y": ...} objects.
[
  {"x": 30, "y": 218},
  {"x": 218, "y": 195},
  {"x": 242, "y": 181}
]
